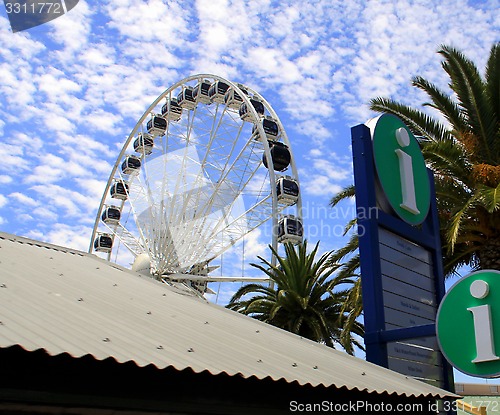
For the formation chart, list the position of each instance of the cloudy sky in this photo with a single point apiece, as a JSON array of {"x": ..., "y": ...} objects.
[{"x": 72, "y": 89}]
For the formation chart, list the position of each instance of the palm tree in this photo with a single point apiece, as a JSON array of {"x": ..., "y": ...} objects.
[
  {"x": 464, "y": 153},
  {"x": 305, "y": 299}
]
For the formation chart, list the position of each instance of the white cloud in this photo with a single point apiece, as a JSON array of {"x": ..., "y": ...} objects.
[
  {"x": 328, "y": 173},
  {"x": 75, "y": 205},
  {"x": 45, "y": 213},
  {"x": 56, "y": 85},
  {"x": 24, "y": 217},
  {"x": 13, "y": 157},
  {"x": 331, "y": 169},
  {"x": 255, "y": 245},
  {"x": 103, "y": 121},
  {"x": 149, "y": 21},
  {"x": 76, "y": 237},
  {"x": 23, "y": 199},
  {"x": 320, "y": 185},
  {"x": 72, "y": 30}
]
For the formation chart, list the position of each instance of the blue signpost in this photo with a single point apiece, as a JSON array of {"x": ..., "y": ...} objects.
[{"x": 400, "y": 251}]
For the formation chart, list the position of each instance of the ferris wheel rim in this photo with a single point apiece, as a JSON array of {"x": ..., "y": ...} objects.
[{"x": 255, "y": 116}]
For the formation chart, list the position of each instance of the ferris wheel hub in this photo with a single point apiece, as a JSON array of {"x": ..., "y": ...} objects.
[{"x": 142, "y": 264}]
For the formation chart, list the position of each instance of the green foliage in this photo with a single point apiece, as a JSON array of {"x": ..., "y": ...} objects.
[
  {"x": 305, "y": 299},
  {"x": 463, "y": 152}
]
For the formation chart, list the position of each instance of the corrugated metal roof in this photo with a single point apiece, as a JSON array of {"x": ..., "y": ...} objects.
[{"x": 66, "y": 301}]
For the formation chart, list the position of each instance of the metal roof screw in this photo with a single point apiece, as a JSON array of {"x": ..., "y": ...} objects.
[
  {"x": 206, "y": 322},
  {"x": 257, "y": 331},
  {"x": 190, "y": 350},
  {"x": 160, "y": 347},
  {"x": 61, "y": 275},
  {"x": 259, "y": 361},
  {"x": 164, "y": 295},
  {"x": 295, "y": 365},
  {"x": 363, "y": 374},
  {"x": 80, "y": 299},
  {"x": 315, "y": 367},
  {"x": 3, "y": 286},
  {"x": 107, "y": 340}
]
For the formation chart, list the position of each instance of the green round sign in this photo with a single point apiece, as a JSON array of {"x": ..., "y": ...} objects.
[
  {"x": 401, "y": 169},
  {"x": 468, "y": 324}
]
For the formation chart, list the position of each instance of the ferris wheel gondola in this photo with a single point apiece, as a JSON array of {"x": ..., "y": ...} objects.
[{"x": 207, "y": 163}]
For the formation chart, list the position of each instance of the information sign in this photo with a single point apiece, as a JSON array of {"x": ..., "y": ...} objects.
[
  {"x": 400, "y": 251},
  {"x": 396, "y": 150},
  {"x": 470, "y": 311}
]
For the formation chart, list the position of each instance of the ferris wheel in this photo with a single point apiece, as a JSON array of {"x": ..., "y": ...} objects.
[{"x": 207, "y": 163}]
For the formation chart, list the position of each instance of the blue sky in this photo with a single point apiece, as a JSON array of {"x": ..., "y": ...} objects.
[{"x": 71, "y": 90}]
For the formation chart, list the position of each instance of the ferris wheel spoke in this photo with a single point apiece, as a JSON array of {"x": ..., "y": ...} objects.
[{"x": 129, "y": 240}]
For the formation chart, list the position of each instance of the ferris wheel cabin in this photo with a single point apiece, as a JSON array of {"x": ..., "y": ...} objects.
[
  {"x": 245, "y": 113},
  {"x": 131, "y": 165},
  {"x": 157, "y": 125},
  {"x": 290, "y": 230},
  {"x": 186, "y": 99},
  {"x": 200, "y": 92},
  {"x": 217, "y": 91},
  {"x": 232, "y": 99},
  {"x": 171, "y": 111},
  {"x": 287, "y": 190},
  {"x": 143, "y": 144},
  {"x": 111, "y": 215},
  {"x": 103, "y": 242},
  {"x": 280, "y": 155},
  {"x": 270, "y": 128},
  {"x": 119, "y": 190}
]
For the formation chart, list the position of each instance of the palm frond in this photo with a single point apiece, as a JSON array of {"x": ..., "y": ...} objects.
[
  {"x": 338, "y": 255},
  {"x": 345, "y": 193},
  {"x": 449, "y": 159},
  {"x": 455, "y": 226},
  {"x": 420, "y": 124},
  {"x": 469, "y": 88},
  {"x": 443, "y": 103},
  {"x": 489, "y": 197},
  {"x": 492, "y": 77}
]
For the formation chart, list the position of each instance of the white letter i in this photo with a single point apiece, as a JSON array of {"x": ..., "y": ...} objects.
[
  {"x": 483, "y": 331},
  {"x": 406, "y": 173}
]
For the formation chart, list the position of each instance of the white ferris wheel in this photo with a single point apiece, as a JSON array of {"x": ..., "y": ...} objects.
[{"x": 207, "y": 163}]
